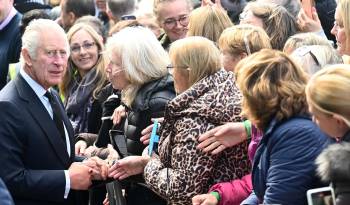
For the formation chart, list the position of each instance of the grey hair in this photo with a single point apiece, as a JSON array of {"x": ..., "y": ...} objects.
[
  {"x": 32, "y": 35},
  {"x": 119, "y": 8},
  {"x": 323, "y": 55},
  {"x": 292, "y": 6},
  {"x": 143, "y": 58}
]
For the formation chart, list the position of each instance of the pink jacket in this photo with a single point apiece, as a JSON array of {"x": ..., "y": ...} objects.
[{"x": 235, "y": 191}]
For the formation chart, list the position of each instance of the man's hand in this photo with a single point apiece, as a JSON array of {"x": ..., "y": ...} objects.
[
  {"x": 128, "y": 166},
  {"x": 99, "y": 168},
  {"x": 80, "y": 176},
  {"x": 221, "y": 137},
  {"x": 204, "y": 199}
]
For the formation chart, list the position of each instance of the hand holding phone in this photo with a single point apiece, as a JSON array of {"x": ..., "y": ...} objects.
[{"x": 321, "y": 196}]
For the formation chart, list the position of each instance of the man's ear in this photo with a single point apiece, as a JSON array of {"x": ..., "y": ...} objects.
[{"x": 27, "y": 59}]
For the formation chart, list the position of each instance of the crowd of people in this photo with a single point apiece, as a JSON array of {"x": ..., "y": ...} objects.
[{"x": 202, "y": 102}]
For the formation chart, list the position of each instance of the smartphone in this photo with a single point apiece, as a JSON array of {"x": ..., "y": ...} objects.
[
  {"x": 321, "y": 196},
  {"x": 307, "y": 6}
]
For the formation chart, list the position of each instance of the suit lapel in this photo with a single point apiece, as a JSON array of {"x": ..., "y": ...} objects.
[{"x": 43, "y": 119}]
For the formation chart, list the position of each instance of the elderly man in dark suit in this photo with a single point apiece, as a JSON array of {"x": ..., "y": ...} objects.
[{"x": 36, "y": 137}]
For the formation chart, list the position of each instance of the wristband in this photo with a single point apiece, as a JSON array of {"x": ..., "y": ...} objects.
[
  {"x": 248, "y": 128},
  {"x": 216, "y": 194}
]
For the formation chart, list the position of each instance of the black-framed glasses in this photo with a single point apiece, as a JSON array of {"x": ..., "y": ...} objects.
[
  {"x": 172, "y": 22},
  {"x": 87, "y": 46}
]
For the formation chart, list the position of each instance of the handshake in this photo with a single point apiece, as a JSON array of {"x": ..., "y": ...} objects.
[{"x": 81, "y": 174}]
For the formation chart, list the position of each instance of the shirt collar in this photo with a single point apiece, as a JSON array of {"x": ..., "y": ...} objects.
[
  {"x": 38, "y": 89},
  {"x": 9, "y": 17}
]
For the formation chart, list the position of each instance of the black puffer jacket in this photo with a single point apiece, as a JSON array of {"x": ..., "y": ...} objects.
[{"x": 150, "y": 102}]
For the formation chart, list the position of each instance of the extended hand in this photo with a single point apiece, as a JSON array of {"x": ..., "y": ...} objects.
[
  {"x": 128, "y": 166},
  {"x": 146, "y": 133},
  {"x": 80, "y": 147},
  {"x": 118, "y": 114},
  {"x": 80, "y": 177},
  {"x": 308, "y": 24},
  {"x": 98, "y": 168},
  {"x": 204, "y": 199},
  {"x": 221, "y": 137}
]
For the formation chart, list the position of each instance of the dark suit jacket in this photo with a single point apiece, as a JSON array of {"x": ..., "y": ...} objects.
[{"x": 33, "y": 156}]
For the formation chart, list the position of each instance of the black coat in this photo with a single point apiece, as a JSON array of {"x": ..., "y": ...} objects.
[{"x": 150, "y": 102}]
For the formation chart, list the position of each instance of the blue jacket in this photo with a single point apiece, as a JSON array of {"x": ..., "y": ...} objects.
[{"x": 283, "y": 167}]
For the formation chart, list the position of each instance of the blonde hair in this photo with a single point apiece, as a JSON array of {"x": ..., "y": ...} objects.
[
  {"x": 101, "y": 77},
  {"x": 240, "y": 38},
  {"x": 208, "y": 21},
  {"x": 328, "y": 91},
  {"x": 344, "y": 8},
  {"x": 197, "y": 53},
  {"x": 143, "y": 58},
  {"x": 156, "y": 4},
  {"x": 272, "y": 86},
  {"x": 278, "y": 23},
  {"x": 304, "y": 39}
]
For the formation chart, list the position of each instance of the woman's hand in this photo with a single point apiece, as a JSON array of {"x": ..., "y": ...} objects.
[
  {"x": 209, "y": 2},
  {"x": 106, "y": 201},
  {"x": 128, "y": 166},
  {"x": 80, "y": 147},
  {"x": 118, "y": 114},
  {"x": 204, "y": 199},
  {"x": 307, "y": 24},
  {"x": 146, "y": 133},
  {"x": 221, "y": 137}
]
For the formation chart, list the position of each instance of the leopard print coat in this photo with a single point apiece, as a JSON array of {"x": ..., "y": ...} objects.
[{"x": 182, "y": 171}]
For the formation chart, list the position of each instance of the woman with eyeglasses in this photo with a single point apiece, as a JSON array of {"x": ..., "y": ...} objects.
[
  {"x": 173, "y": 18},
  {"x": 341, "y": 29},
  {"x": 207, "y": 97},
  {"x": 138, "y": 67},
  {"x": 84, "y": 79}
]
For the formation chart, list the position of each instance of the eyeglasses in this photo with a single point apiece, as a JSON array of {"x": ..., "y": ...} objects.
[
  {"x": 172, "y": 22},
  {"x": 170, "y": 68},
  {"x": 55, "y": 53},
  {"x": 86, "y": 46}
]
